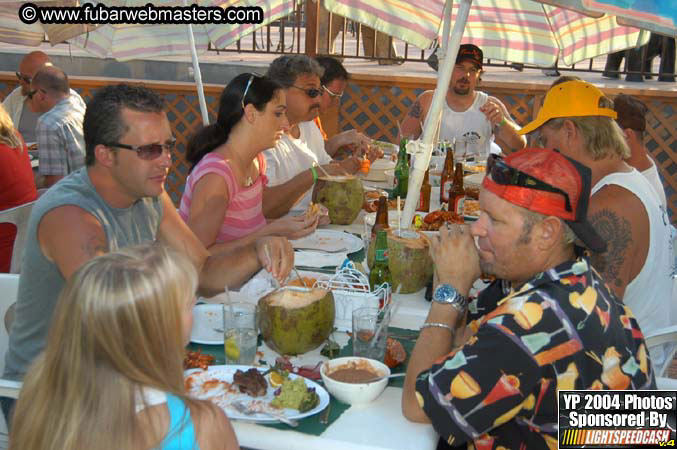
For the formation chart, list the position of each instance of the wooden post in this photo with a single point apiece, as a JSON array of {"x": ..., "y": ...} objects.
[{"x": 312, "y": 15}]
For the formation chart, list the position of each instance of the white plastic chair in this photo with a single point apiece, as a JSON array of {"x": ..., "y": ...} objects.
[
  {"x": 660, "y": 337},
  {"x": 9, "y": 286},
  {"x": 18, "y": 216}
]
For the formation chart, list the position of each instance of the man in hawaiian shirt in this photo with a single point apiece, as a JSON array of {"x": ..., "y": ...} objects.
[{"x": 547, "y": 323}]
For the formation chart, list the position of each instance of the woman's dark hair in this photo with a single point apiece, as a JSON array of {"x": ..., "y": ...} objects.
[
  {"x": 260, "y": 91},
  {"x": 333, "y": 70}
]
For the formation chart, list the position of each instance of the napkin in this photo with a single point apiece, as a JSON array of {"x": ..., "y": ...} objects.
[
  {"x": 318, "y": 259},
  {"x": 258, "y": 285}
]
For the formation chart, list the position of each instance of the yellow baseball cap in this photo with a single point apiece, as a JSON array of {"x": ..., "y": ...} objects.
[{"x": 569, "y": 99}]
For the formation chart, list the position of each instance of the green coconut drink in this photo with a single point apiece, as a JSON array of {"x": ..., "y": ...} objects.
[
  {"x": 295, "y": 320},
  {"x": 342, "y": 196},
  {"x": 409, "y": 260}
]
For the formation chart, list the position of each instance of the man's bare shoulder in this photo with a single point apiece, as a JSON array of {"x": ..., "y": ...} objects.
[
  {"x": 69, "y": 236},
  {"x": 621, "y": 220}
]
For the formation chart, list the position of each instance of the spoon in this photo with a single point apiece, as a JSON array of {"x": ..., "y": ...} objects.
[{"x": 392, "y": 375}]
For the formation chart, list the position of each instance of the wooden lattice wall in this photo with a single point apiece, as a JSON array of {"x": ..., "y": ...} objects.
[{"x": 374, "y": 105}]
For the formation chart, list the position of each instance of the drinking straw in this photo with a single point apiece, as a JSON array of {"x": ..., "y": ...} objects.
[
  {"x": 386, "y": 312},
  {"x": 399, "y": 217},
  {"x": 300, "y": 278}
]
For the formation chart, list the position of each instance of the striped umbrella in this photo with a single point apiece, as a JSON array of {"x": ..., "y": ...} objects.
[
  {"x": 127, "y": 41},
  {"x": 136, "y": 41},
  {"x": 523, "y": 31},
  {"x": 14, "y": 31},
  {"x": 659, "y": 16}
]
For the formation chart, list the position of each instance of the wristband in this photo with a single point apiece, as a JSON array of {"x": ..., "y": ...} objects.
[
  {"x": 313, "y": 170},
  {"x": 437, "y": 325}
]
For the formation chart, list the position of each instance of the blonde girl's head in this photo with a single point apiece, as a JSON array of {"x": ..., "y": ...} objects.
[
  {"x": 8, "y": 135},
  {"x": 118, "y": 326}
]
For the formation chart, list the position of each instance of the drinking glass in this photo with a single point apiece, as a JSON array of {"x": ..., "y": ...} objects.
[
  {"x": 366, "y": 323},
  {"x": 240, "y": 333}
]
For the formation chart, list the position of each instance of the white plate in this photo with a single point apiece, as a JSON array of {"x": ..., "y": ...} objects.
[
  {"x": 461, "y": 208},
  {"x": 224, "y": 399},
  {"x": 329, "y": 241},
  {"x": 205, "y": 319}
]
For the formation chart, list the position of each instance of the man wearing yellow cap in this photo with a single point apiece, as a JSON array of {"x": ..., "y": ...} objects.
[{"x": 578, "y": 119}]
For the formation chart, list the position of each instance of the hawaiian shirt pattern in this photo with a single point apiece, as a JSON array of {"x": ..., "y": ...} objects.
[
  {"x": 561, "y": 330},
  {"x": 61, "y": 143}
]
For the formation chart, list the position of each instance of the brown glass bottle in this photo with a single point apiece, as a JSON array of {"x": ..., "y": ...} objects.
[
  {"x": 447, "y": 176},
  {"x": 457, "y": 192},
  {"x": 424, "y": 199},
  {"x": 381, "y": 220}
]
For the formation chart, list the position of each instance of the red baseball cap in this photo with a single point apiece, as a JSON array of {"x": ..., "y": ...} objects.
[{"x": 547, "y": 182}]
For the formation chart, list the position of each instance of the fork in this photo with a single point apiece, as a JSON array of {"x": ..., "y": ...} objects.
[{"x": 247, "y": 411}]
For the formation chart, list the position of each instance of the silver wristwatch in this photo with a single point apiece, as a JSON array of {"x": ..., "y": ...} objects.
[{"x": 448, "y": 295}]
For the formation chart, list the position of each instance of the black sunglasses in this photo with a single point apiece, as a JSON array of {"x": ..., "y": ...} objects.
[
  {"x": 25, "y": 78},
  {"x": 148, "y": 152},
  {"x": 312, "y": 92},
  {"x": 502, "y": 173}
]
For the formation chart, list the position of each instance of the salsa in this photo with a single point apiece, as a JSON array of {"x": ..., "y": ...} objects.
[{"x": 353, "y": 375}]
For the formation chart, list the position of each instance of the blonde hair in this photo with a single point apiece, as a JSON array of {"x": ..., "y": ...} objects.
[
  {"x": 8, "y": 134},
  {"x": 602, "y": 136},
  {"x": 116, "y": 329}
]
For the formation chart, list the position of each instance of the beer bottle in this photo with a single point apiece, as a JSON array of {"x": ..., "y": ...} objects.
[
  {"x": 380, "y": 272},
  {"x": 447, "y": 176},
  {"x": 401, "y": 171},
  {"x": 424, "y": 200},
  {"x": 457, "y": 192},
  {"x": 381, "y": 220}
]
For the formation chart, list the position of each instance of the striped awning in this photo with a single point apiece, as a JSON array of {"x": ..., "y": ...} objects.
[{"x": 659, "y": 16}]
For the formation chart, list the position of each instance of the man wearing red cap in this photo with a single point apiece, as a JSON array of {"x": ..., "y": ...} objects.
[
  {"x": 578, "y": 119},
  {"x": 469, "y": 117},
  {"x": 547, "y": 323}
]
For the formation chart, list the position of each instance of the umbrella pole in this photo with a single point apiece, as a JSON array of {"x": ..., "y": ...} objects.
[
  {"x": 432, "y": 121},
  {"x": 198, "y": 74}
]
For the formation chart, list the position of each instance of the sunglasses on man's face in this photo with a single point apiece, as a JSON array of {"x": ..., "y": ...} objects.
[
  {"x": 25, "y": 78},
  {"x": 312, "y": 92},
  {"x": 501, "y": 173},
  {"x": 332, "y": 94},
  {"x": 148, "y": 152}
]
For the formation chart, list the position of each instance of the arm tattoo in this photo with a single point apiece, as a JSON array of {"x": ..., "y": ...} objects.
[
  {"x": 617, "y": 233},
  {"x": 95, "y": 246},
  {"x": 416, "y": 110}
]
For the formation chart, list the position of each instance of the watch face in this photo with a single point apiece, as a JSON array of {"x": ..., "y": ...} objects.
[{"x": 443, "y": 293}]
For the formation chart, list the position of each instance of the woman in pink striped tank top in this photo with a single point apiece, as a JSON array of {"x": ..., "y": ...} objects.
[{"x": 223, "y": 195}]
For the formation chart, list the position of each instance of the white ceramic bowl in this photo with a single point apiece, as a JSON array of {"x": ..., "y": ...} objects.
[{"x": 355, "y": 393}]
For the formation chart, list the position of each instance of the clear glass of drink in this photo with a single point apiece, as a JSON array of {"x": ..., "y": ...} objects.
[
  {"x": 370, "y": 332},
  {"x": 240, "y": 332}
]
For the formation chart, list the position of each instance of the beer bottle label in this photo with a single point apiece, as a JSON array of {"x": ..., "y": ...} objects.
[
  {"x": 446, "y": 187},
  {"x": 457, "y": 204},
  {"x": 380, "y": 255}
]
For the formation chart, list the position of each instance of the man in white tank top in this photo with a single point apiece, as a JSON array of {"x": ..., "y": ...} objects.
[
  {"x": 469, "y": 117},
  {"x": 578, "y": 119}
]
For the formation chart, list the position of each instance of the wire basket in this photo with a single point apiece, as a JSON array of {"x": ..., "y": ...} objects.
[{"x": 350, "y": 288}]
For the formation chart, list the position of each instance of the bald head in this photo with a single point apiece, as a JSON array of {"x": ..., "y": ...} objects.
[{"x": 29, "y": 66}]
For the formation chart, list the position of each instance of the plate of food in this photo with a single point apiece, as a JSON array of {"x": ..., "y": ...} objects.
[
  {"x": 469, "y": 208},
  {"x": 259, "y": 390},
  {"x": 329, "y": 241},
  {"x": 207, "y": 318},
  {"x": 435, "y": 219}
]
